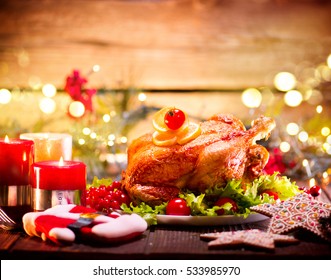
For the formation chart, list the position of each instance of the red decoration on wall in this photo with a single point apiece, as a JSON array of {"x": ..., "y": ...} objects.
[{"x": 75, "y": 88}]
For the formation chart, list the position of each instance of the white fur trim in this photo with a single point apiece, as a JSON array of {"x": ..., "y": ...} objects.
[
  {"x": 60, "y": 211},
  {"x": 63, "y": 234},
  {"x": 121, "y": 227},
  {"x": 67, "y": 215},
  {"x": 60, "y": 208},
  {"x": 29, "y": 223},
  {"x": 103, "y": 219}
]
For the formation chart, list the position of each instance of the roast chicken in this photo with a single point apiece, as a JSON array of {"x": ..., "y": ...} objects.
[{"x": 224, "y": 150}]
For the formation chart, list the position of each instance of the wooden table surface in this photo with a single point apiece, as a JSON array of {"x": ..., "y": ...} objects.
[{"x": 166, "y": 242}]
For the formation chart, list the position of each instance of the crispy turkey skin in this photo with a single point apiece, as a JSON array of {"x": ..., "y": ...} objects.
[{"x": 223, "y": 151}]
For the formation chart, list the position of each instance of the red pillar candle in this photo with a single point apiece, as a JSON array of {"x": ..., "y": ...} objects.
[
  {"x": 16, "y": 157},
  {"x": 57, "y": 182}
]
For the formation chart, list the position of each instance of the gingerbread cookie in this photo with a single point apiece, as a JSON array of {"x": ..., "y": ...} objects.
[
  {"x": 298, "y": 212},
  {"x": 253, "y": 238}
]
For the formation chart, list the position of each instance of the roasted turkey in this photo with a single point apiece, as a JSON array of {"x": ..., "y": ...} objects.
[{"x": 224, "y": 150}]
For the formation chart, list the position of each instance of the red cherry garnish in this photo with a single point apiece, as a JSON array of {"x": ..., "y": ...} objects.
[
  {"x": 315, "y": 191},
  {"x": 174, "y": 119}
]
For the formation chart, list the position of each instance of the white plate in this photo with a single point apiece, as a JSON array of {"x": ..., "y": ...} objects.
[{"x": 208, "y": 220}]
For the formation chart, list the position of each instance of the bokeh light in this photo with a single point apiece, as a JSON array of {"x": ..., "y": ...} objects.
[
  {"x": 86, "y": 130},
  {"x": 292, "y": 129},
  {"x": 49, "y": 90},
  {"x": 303, "y": 136},
  {"x": 328, "y": 61},
  {"x": 76, "y": 109},
  {"x": 284, "y": 146},
  {"x": 312, "y": 182},
  {"x": 5, "y": 96},
  {"x": 142, "y": 97},
  {"x": 326, "y": 147},
  {"x": 293, "y": 98},
  {"x": 305, "y": 162},
  {"x": 124, "y": 140},
  {"x": 106, "y": 118},
  {"x": 325, "y": 131},
  {"x": 285, "y": 81},
  {"x": 251, "y": 98},
  {"x": 319, "y": 109},
  {"x": 96, "y": 68},
  {"x": 47, "y": 105}
]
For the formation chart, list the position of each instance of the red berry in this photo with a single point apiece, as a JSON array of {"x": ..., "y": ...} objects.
[
  {"x": 315, "y": 191},
  {"x": 116, "y": 185},
  {"x": 221, "y": 201},
  {"x": 122, "y": 197},
  {"x": 110, "y": 188},
  {"x": 97, "y": 206},
  {"x": 115, "y": 205},
  {"x": 102, "y": 191},
  {"x": 178, "y": 207},
  {"x": 104, "y": 198},
  {"x": 174, "y": 118},
  {"x": 88, "y": 200}
]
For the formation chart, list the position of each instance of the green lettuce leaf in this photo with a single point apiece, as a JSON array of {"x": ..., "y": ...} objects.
[
  {"x": 244, "y": 193},
  {"x": 99, "y": 182},
  {"x": 145, "y": 211}
]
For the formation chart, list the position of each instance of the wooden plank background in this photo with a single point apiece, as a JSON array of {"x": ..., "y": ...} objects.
[{"x": 164, "y": 44}]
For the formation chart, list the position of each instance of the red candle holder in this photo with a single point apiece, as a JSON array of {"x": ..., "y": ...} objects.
[
  {"x": 57, "y": 183},
  {"x": 16, "y": 157}
]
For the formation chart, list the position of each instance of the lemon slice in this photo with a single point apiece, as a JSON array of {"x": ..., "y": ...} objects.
[
  {"x": 159, "y": 124},
  {"x": 192, "y": 132},
  {"x": 158, "y": 120},
  {"x": 164, "y": 139}
]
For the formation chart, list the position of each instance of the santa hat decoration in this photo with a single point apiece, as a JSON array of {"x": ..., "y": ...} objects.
[{"x": 68, "y": 223}]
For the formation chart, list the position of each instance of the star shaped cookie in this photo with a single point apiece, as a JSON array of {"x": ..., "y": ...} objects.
[
  {"x": 298, "y": 212},
  {"x": 252, "y": 238}
]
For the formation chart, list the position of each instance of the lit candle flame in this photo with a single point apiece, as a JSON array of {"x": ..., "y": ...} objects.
[
  {"x": 6, "y": 139},
  {"x": 61, "y": 162}
]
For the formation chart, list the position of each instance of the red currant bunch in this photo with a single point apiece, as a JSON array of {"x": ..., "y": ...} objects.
[{"x": 105, "y": 198}]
